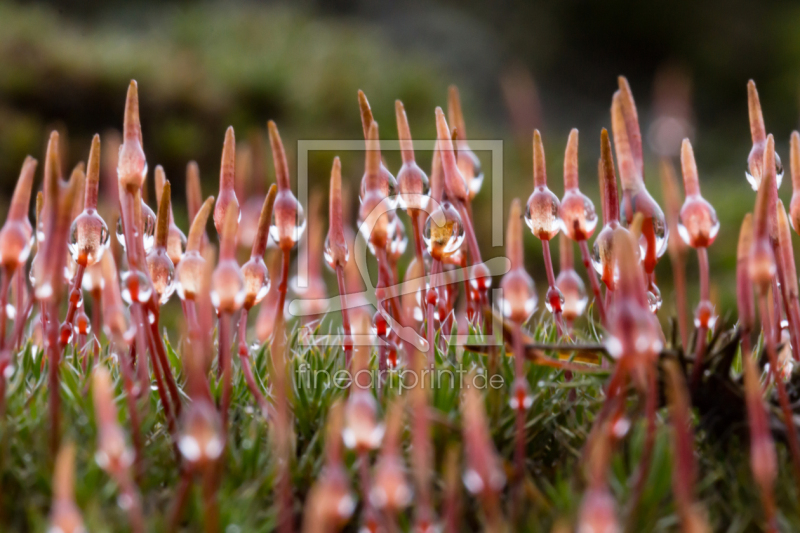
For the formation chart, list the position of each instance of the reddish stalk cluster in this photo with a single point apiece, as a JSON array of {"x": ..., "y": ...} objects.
[
  {"x": 698, "y": 227},
  {"x": 155, "y": 263}
]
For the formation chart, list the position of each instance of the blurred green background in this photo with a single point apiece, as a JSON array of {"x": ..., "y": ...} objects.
[{"x": 519, "y": 65}]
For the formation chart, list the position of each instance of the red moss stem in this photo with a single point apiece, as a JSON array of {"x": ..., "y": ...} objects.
[
  {"x": 348, "y": 338},
  {"x": 142, "y": 343},
  {"x": 386, "y": 273},
  {"x": 225, "y": 366},
  {"x": 679, "y": 276},
  {"x": 133, "y": 413},
  {"x": 3, "y": 304},
  {"x": 282, "y": 289},
  {"x": 161, "y": 358},
  {"x": 19, "y": 324},
  {"x": 650, "y": 406},
  {"x": 466, "y": 217},
  {"x": 519, "y": 373},
  {"x": 783, "y": 397},
  {"x": 598, "y": 297},
  {"x": 417, "y": 230},
  {"x": 436, "y": 268},
  {"x": 74, "y": 299},
  {"x": 210, "y": 501},
  {"x": 54, "y": 358},
  {"x": 551, "y": 282},
  {"x": 96, "y": 312},
  {"x": 244, "y": 359},
  {"x": 702, "y": 330}
]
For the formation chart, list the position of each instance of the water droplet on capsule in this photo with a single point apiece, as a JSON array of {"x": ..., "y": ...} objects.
[
  {"x": 470, "y": 167},
  {"x": 412, "y": 184},
  {"x": 88, "y": 237},
  {"x": 575, "y": 298},
  {"x": 176, "y": 244},
  {"x": 162, "y": 273},
  {"x": 518, "y": 300},
  {"x": 578, "y": 215},
  {"x": 189, "y": 275},
  {"x": 327, "y": 253},
  {"x": 756, "y": 182},
  {"x": 256, "y": 281},
  {"x": 698, "y": 225},
  {"x": 288, "y": 218},
  {"x": 554, "y": 300},
  {"x": 149, "y": 226},
  {"x": 445, "y": 239},
  {"x": 15, "y": 244},
  {"x": 135, "y": 287},
  {"x": 655, "y": 222},
  {"x": 227, "y": 287},
  {"x": 654, "y": 300},
  {"x": 542, "y": 213}
]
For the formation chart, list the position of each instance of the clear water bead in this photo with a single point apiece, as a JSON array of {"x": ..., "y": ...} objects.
[
  {"x": 288, "y": 219},
  {"x": 328, "y": 254},
  {"x": 554, "y": 300},
  {"x": 470, "y": 167},
  {"x": 387, "y": 187},
  {"x": 655, "y": 223},
  {"x": 227, "y": 287},
  {"x": 755, "y": 183},
  {"x": 135, "y": 287},
  {"x": 518, "y": 300},
  {"x": 88, "y": 237},
  {"x": 698, "y": 225},
  {"x": 176, "y": 244},
  {"x": 654, "y": 300},
  {"x": 189, "y": 275},
  {"x": 578, "y": 215},
  {"x": 149, "y": 226},
  {"x": 399, "y": 240},
  {"x": 542, "y": 213},
  {"x": 412, "y": 184},
  {"x": 446, "y": 238},
  {"x": 256, "y": 281},
  {"x": 162, "y": 273},
  {"x": 15, "y": 244},
  {"x": 575, "y": 298},
  {"x": 521, "y": 397}
]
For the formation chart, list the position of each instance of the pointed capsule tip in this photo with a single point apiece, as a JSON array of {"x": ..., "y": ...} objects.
[
  {"x": 514, "y": 234},
  {"x": 455, "y": 112},
  {"x": 227, "y": 172},
  {"x": 373, "y": 156},
  {"x": 21, "y": 199},
  {"x": 571, "y": 161},
  {"x": 366, "y": 112},
  {"x": 131, "y": 124},
  {"x": 93, "y": 169},
  {"x": 755, "y": 114},
  {"x": 539, "y": 165},
  {"x": 278, "y": 156},
  {"x": 198, "y": 225},
  {"x": 264, "y": 220},
  {"x": 691, "y": 181},
  {"x": 162, "y": 218}
]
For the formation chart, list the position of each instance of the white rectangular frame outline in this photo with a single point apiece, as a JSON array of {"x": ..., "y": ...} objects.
[{"x": 497, "y": 217}]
